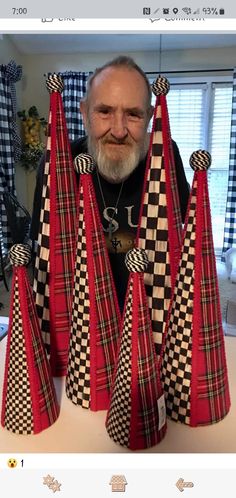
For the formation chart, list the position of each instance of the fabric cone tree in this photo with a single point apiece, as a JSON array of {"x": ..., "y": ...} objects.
[
  {"x": 160, "y": 225},
  {"x": 193, "y": 364},
  {"x": 136, "y": 417},
  {"x": 57, "y": 235},
  {"x": 95, "y": 311},
  {"x": 29, "y": 402}
]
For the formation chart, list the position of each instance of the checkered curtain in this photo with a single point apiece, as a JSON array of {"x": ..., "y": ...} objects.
[
  {"x": 74, "y": 90},
  {"x": 230, "y": 214},
  {"x": 10, "y": 146}
]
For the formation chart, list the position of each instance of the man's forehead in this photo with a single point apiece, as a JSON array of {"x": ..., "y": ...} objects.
[
  {"x": 114, "y": 81},
  {"x": 115, "y": 72}
]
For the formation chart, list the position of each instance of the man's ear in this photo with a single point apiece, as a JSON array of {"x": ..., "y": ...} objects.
[{"x": 84, "y": 112}]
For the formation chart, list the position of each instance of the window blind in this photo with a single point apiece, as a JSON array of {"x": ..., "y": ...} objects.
[{"x": 200, "y": 118}]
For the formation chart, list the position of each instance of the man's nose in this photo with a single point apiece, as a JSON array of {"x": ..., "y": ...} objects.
[{"x": 119, "y": 126}]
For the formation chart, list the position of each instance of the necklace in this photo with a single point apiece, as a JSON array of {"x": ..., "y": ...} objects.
[{"x": 110, "y": 226}]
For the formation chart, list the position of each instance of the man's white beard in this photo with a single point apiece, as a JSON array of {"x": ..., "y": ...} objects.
[{"x": 117, "y": 170}]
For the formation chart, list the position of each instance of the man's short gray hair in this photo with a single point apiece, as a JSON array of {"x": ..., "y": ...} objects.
[{"x": 120, "y": 61}]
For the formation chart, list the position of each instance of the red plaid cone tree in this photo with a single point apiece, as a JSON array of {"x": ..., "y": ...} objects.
[
  {"x": 194, "y": 371},
  {"x": 57, "y": 235},
  {"x": 29, "y": 402},
  {"x": 136, "y": 416},
  {"x": 95, "y": 312},
  {"x": 160, "y": 226}
]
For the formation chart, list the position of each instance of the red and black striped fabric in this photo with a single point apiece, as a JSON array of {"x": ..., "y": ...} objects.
[
  {"x": 29, "y": 403},
  {"x": 194, "y": 370},
  {"x": 57, "y": 236}
]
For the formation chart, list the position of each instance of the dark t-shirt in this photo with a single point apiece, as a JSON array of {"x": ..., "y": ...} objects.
[{"x": 126, "y": 216}]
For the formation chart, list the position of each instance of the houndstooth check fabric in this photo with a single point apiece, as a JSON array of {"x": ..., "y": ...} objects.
[
  {"x": 78, "y": 373},
  {"x": 177, "y": 358},
  {"x": 119, "y": 413},
  {"x": 160, "y": 226},
  {"x": 194, "y": 370},
  {"x": 17, "y": 414}
]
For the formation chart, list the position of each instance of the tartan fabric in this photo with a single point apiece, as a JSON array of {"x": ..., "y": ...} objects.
[
  {"x": 100, "y": 306},
  {"x": 133, "y": 416},
  {"x": 62, "y": 238},
  {"x": 29, "y": 398},
  {"x": 47, "y": 406},
  {"x": 56, "y": 243},
  {"x": 78, "y": 372},
  {"x": 74, "y": 90},
  {"x": 107, "y": 309},
  {"x": 210, "y": 392},
  {"x": 230, "y": 213},
  {"x": 17, "y": 410},
  {"x": 149, "y": 386},
  {"x": 160, "y": 226},
  {"x": 9, "y": 151},
  {"x": 194, "y": 370}
]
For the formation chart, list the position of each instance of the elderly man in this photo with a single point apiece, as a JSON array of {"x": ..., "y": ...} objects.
[{"x": 116, "y": 113}]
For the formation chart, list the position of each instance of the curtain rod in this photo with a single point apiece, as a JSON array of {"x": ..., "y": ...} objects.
[{"x": 191, "y": 71}]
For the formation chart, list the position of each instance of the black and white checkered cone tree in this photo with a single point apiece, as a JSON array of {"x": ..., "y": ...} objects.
[
  {"x": 95, "y": 324},
  {"x": 29, "y": 403},
  {"x": 193, "y": 362},
  {"x": 136, "y": 416},
  {"x": 160, "y": 227}
]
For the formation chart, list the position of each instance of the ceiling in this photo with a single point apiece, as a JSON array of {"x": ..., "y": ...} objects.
[{"x": 73, "y": 43}]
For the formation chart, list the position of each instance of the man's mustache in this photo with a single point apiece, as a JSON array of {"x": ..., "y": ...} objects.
[{"x": 116, "y": 141}]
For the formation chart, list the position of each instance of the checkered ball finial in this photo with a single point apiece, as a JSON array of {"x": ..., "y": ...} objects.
[
  {"x": 200, "y": 160},
  {"x": 136, "y": 260},
  {"x": 54, "y": 83},
  {"x": 161, "y": 86},
  {"x": 20, "y": 254},
  {"x": 84, "y": 164}
]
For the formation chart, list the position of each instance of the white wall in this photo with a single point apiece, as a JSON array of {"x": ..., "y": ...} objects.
[{"x": 8, "y": 51}]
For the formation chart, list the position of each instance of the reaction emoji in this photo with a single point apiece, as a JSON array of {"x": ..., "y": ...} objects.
[{"x": 12, "y": 463}]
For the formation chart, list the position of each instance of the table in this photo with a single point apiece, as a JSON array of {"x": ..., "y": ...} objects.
[{"x": 78, "y": 430}]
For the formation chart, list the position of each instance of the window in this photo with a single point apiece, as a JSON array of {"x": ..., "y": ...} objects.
[
  {"x": 186, "y": 110},
  {"x": 200, "y": 118},
  {"x": 219, "y": 145}
]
